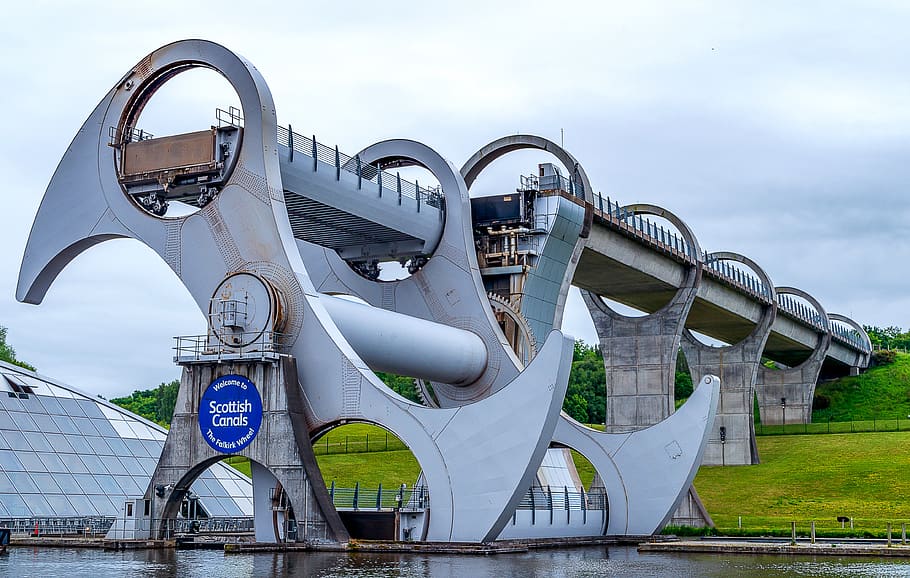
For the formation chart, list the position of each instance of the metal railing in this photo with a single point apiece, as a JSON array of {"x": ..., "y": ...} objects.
[
  {"x": 383, "y": 181},
  {"x": 642, "y": 228},
  {"x": 738, "y": 278},
  {"x": 116, "y": 137},
  {"x": 358, "y": 498},
  {"x": 562, "y": 498},
  {"x": 72, "y": 526},
  {"x": 227, "y": 525},
  {"x": 849, "y": 336},
  {"x": 230, "y": 117},
  {"x": 207, "y": 348},
  {"x": 98, "y": 526},
  {"x": 563, "y": 501},
  {"x": 801, "y": 312},
  {"x": 552, "y": 183}
]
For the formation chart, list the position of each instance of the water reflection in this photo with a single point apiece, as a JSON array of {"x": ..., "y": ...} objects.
[{"x": 578, "y": 562}]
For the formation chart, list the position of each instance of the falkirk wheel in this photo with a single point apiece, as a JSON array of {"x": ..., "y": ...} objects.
[{"x": 278, "y": 226}]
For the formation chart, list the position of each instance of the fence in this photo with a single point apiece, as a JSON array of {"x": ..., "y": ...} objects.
[
  {"x": 353, "y": 444},
  {"x": 98, "y": 526},
  {"x": 894, "y": 530},
  {"x": 876, "y": 424},
  {"x": 380, "y": 498},
  {"x": 68, "y": 526}
]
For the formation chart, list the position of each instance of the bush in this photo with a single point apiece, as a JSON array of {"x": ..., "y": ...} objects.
[
  {"x": 821, "y": 402},
  {"x": 883, "y": 357}
]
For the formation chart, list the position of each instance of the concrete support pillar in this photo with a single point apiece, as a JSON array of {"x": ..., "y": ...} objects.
[
  {"x": 640, "y": 358},
  {"x": 785, "y": 395},
  {"x": 732, "y": 439},
  {"x": 737, "y": 367},
  {"x": 282, "y": 447},
  {"x": 640, "y": 352}
]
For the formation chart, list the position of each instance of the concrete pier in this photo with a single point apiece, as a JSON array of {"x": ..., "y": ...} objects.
[
  {"x": 732, "y": 439},
  {"x": 640, "y": 352},
  {"x": 785, "y": 395}
]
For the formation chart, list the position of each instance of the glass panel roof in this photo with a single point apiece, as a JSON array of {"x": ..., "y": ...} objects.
[{"x": 65, "y": 453}]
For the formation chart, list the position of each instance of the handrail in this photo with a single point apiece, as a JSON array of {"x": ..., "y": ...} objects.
[
  {"x": 358, "y": 498},
  {"x": 561, "y": 498},
  {"x": 208, "y": 347},
  {"x": 643, "y": 229},
  {"x": 801, "y": 312},
  {"x": 365, "y": 172}
]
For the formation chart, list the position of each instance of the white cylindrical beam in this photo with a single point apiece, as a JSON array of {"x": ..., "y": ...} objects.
[{"x": 405, "y": 345}]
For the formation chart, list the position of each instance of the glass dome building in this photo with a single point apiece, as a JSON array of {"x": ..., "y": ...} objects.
[{"x": 67, "y": 454}]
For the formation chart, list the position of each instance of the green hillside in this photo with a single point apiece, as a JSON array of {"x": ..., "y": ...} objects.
[{"x": 881, "y": 392}]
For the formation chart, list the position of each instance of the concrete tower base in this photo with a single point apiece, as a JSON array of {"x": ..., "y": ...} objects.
[
  {"x": 281, "y": 452},
  {"x": 640, "y": 361}
]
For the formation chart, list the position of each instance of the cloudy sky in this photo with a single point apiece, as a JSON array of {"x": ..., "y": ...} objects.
[{"x": 780, "y": 130}]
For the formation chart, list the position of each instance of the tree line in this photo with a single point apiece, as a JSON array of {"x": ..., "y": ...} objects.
[
  {"x": 8, "y": 354},
  {"x": 888, "y": 337}
]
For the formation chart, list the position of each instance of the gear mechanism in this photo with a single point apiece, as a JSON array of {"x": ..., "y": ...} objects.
[
  {"x": 515, "y": 327},
  {"x": 425, "y": 393}
]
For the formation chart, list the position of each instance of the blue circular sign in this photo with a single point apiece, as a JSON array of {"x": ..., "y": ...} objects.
[{"x": 230, "y": 413}]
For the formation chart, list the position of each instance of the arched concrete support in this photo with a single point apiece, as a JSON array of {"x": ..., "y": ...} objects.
[
  {"x": 647, "y": 473},
  {"x": 562, "y": 248},
  {"x": 282, "y": 447},
  {"x": 640, "y": 352},
  {"x": 862, "y": 359},
  {"x": 737, "y": 365},
  {"x": 785, "y": 395}
]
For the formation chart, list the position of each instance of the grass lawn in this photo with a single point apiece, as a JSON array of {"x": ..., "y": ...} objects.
[
  {"x": 865, "y": 476},
  {"x": 391, "y": 468}
]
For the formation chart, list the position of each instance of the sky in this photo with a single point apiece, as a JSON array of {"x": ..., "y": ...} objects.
[{"x": 779, "y": 130}]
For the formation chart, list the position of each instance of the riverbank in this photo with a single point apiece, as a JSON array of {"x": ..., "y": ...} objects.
[{"x": 776, "y": 546}]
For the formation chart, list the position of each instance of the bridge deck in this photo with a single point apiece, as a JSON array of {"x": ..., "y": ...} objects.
[{"x": 335, "y": 201}]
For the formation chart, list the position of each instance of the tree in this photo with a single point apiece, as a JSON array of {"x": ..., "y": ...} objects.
[
  {"x": 577, "y": 407},
  {"x": 587, "y": 383},
  {"x": 682, "y": 385},
  {"x": 403, "y": 386},
  {"x": 888, "y": 338},
  {"x": 8, "y": 354},
  {"x": 155, "y": 405}
]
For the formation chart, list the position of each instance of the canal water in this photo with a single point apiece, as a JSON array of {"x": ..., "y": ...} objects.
[{"x": 575, "y": 562}]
